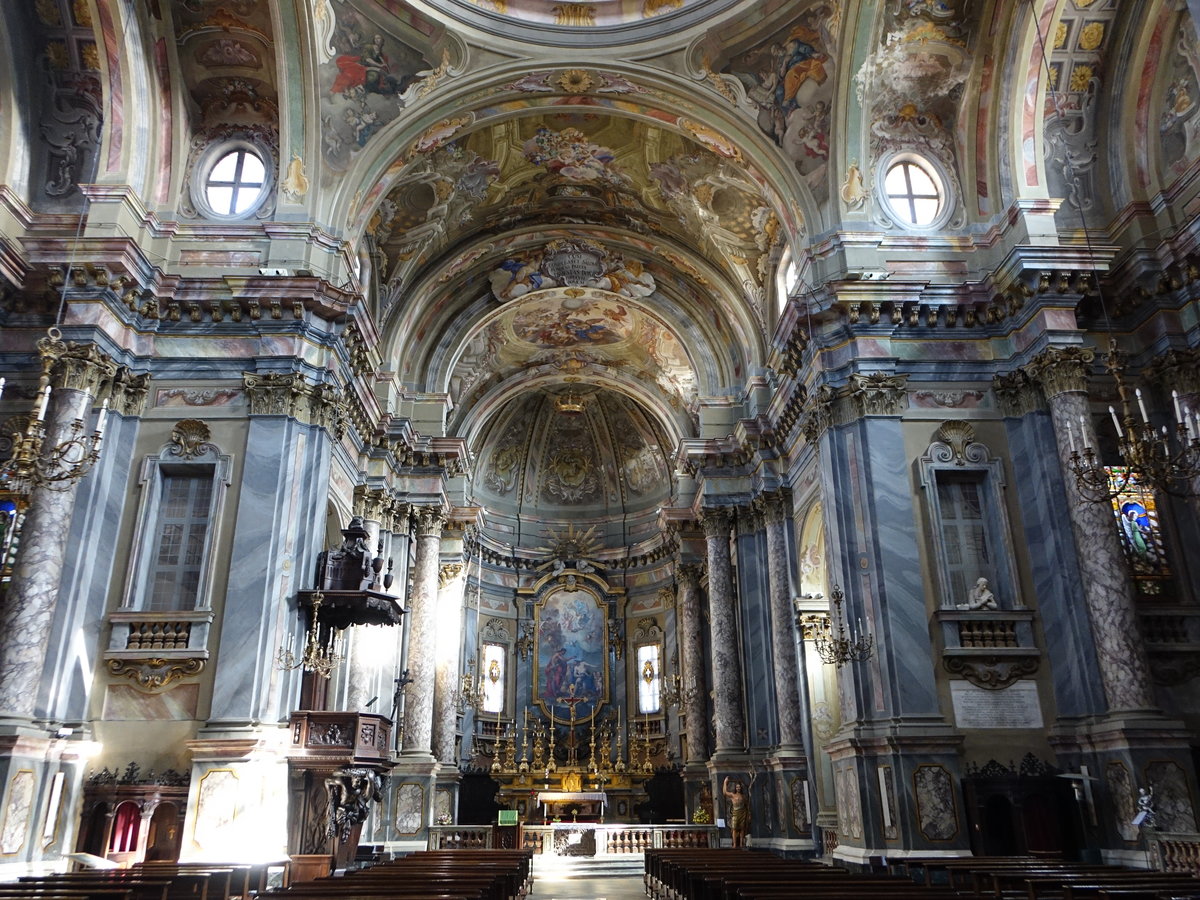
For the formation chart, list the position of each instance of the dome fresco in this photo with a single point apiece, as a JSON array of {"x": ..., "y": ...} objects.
[{"x": 577, "y": 453}]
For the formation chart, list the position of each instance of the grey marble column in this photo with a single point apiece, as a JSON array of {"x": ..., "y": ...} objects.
[
  {"x": 783, "y": 639},
  {"x": 422, "y": 633},
  {"x": 28, "y": 612},
  {"x": 729, "y": 712},
  {"x": 451, "y": 584},
  {"x": 691, "y": 658},
  {"x": 1107, "y": 585}
]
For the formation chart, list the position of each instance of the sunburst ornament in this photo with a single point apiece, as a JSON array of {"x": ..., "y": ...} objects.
[
  {"x": 575, "y": 81},
  {"x": 569, "y": 544}
]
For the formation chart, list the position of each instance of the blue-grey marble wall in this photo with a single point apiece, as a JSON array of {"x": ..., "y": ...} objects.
[
  {"x": 279, "y": 530},
  {"x": 1071, "y": 651},
  {"x": 754, "y": 624},
  {"x": 874, "y": 555}
]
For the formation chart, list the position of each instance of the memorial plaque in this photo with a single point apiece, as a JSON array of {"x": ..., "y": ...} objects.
[{"x": 1017, "y": 706}]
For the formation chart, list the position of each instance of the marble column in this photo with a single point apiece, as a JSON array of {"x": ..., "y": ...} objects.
[
  {"x": 422, "y": 633},
  {"x": 726, "y": 659},
  {"x": 691, "y": 658},
  {"x": 451, "y": 584},
  {"x": 783, "y": 639},
  {"x": 27, "y": 614},
  {"x": 1106, "y": 586}
]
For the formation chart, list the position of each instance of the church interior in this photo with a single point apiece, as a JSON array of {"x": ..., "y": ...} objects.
[{"x": 592, "y": 426}]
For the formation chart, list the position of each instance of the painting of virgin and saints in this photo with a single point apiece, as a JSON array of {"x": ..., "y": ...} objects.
[{"x": 571, "y": 655}]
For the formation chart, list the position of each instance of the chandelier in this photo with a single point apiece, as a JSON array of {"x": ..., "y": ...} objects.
[
  {"x": 57, "y": 466},
  {"x": 850, "y": 644},
  {"x": 1152, "y": 458},
  {"x": 319, "y": 658}
]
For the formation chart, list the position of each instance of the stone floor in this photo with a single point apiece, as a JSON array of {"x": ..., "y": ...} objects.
[{"x": 613, "y": 887}]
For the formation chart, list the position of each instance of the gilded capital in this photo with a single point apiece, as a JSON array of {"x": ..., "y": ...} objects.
[
  {"x": 81, "y": 367},
  {"x": 399, "y": 516},
  {"x": 716, "y": 522},
  {"x": 129, "y": 392},
  {"x": 448, "y": 572},
  {"x": 1016, "y": 393},
  {"x": 1177, "y": 370},
  {"x": 429, "y": 521},
  {"x": 817, "y": 414},
  {"x": 688, "y": 576},
  {"x": 773, "y": 506},
  {"x": 1062, "y": 370},
  {"x": 878, "y": 394},
  {"x": 371, "y": 503}
]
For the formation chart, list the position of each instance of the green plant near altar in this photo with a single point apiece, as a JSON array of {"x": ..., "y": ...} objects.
[{"x": 701, "y": 816}]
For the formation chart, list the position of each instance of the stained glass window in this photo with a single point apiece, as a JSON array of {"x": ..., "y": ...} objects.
[{"x": 1136, "y": 512}]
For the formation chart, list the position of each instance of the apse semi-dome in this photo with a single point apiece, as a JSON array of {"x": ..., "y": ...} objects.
[{"x": 574, "y": 453}]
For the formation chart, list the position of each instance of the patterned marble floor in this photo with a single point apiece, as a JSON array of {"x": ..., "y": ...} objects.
[{"x": 613, "y": 887}]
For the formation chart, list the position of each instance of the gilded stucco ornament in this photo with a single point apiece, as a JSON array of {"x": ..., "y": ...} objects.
[
  {"x": 878, "y": 394},
  {"x": 190, "y": 438},
  {"x": 152, "y": 675}
]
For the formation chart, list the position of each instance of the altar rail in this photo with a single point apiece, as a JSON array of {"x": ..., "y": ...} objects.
[
  {"x": 611, "y": 840},
  {"x": 1175, "y": 852},
  {"x": 614, "y": 840}
]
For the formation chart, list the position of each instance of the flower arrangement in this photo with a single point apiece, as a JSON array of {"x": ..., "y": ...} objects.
[
  {"x": 445, "y": 819},
  {"x": 701, "y": 816}
]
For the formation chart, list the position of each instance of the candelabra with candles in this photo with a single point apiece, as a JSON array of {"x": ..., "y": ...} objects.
[
  {"x": 849, "y": 644},
  {"x": 319, "y": 657},
  {"x": 1152, "y": 460},
  {"x": 33, "y": 462},
  {"x": 470, "y": 692}
]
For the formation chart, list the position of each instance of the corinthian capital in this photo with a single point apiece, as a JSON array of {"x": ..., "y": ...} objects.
[
  {"x": 688, "y": 576},
  {"x": 716, "y": 522},
  {"x": 1062, "y": 370},
  {"x": 1177, "y": 370},
  {"x": 878, "y": 394},
  {"x": 81, "y": 367},
  {"x": 429, "y": 521},
  {"x": 774, "y": 507}
]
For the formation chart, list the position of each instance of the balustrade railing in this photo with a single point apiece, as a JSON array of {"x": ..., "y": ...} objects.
[{"x": 1175, "y": 851}]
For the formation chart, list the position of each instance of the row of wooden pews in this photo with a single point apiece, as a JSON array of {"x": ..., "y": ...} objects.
[
  {"x": 429, "y": 875},
  {"x": 151, "y": 881},
  {"x": 756, "y": 875},
  {"x": 1032, "y": 878}
]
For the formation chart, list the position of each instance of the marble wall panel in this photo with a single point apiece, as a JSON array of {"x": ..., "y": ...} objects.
[
  {"x": 850, "y": 824},
  {"x": 124, "y": 702},
  {"x": 218, "y": 805},
  {"x": 409, "y": 808},
  {"x": 1172, "y": 797},
  {"x": 755, "y": 634},
  {"x": 1120, "y": 789},
  {"x": 15, "y": 828},
  {"x": 937, "y": 814}
]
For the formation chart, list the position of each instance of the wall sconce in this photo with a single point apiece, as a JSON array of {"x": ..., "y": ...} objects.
[{"x": 318, "y": 658}]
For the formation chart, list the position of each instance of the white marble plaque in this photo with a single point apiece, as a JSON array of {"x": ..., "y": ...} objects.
[{"x": 1017, "y": 706}]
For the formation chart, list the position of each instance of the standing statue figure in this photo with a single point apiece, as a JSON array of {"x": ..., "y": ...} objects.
[
  {"x": 739, "y": 811},
  {"x": 1146, "y": 810}
]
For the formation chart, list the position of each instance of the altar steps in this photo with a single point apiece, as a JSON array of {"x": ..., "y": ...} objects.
[{"x": 550, "y": 867}]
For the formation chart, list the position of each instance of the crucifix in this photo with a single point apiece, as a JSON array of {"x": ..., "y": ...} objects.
[{"x": 571, "y": 701}]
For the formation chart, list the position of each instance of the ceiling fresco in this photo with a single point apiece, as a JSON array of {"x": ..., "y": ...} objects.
[
  {"x": 581, "y": 168},
  {"x": 568, "y": 333}
]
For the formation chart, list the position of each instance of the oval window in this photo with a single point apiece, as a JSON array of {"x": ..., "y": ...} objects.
[
  {"x": 235, "y": 183},
  {"x": 914, "y": 193}
]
